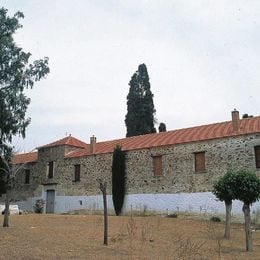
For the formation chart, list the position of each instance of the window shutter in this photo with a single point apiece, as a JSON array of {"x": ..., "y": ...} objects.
[
  {"x": 257, "y": 156},
  {"x": 157, "y": 165},
  {"x": 200, "y": 162}
]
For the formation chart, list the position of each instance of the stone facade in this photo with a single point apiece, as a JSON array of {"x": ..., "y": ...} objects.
[
  {"x": 176, "y": 166},
  {"x": 178, "y": 170}
]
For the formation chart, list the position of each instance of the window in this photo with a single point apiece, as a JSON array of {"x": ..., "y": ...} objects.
[
  {"x": 50, "y": 169},
  {"x": 157, "y": 165},
  {"x": 77, "y": 172},
  {"x": 200, "y": 162},
  {"x": 257, "y": 156},
  {"x": 27, "y": 176}
]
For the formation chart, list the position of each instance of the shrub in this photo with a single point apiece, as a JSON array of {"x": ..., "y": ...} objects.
[
  {"x": 173, "y": 215},
  {"x": 215, "y": 219},
  {"x": 39, "y": 206}
]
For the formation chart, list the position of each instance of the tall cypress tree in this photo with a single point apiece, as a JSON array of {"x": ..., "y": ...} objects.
[
  {"x": 118, "y": 179},
  {"x": 140, "y": 118}
]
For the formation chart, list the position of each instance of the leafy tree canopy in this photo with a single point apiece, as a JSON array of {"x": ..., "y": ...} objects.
[
  {"x": 247, "y": 187},
  {"x": 16, "y": 75},
  {"x": 223, "y": 189},
  {"x": 241, "y": 185}
]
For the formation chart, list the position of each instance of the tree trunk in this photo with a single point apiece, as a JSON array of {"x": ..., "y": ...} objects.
[
  {"x": 7, "y": 203},
  {"x": 249, "y": 242},
  {"x": 228, "y": 219}
]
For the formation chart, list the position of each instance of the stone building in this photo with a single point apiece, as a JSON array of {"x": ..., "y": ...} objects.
[{"x": 165, "y": 170}]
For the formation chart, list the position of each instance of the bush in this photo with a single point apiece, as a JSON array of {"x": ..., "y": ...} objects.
[
  {"x": 215, "y": 219},
  {"x": 173, "y": 215},
  {"x": 39, "y": 206}
]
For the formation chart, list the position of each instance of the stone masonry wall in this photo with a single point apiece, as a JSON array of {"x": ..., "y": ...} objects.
[
  {"x": 92, "y": 168},
  {"x": 178, "y": 171},
  {"x": 23, "y": 190},
  {"x": 38, "y": 173},
  {"x": 178, "y": 165}
]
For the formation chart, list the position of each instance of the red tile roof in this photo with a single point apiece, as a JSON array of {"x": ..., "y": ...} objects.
[
  {"x": 25, "y": 158},
  {"x": 69, "y": 140},
  {"x": 32, "y": 157},
  {"x": 186, "y": 135},
  {"x": 192, "y": 134}
]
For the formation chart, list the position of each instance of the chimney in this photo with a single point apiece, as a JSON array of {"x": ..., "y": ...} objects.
[
  {"x": 93, "y": 141},
  {"x": 235, "y": 120}
]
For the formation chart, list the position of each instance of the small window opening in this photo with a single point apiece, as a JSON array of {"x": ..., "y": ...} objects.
[
  {"x": 77, "y": 172},
  {"x": 50, "y": 170},
  {"x": 27, "y": 176}
]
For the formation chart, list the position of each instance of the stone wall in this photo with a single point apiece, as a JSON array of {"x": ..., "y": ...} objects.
[
  {"x": 23, "y": 190},
  {"x": 92, "y": 168},
  {"x": 178, "y": 172},
  {"x": 178, "y": 165}
]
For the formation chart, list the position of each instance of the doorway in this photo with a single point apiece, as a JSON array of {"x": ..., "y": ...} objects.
[{"x": 50, "y": 199}]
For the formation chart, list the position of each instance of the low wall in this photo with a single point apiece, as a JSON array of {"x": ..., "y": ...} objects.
[{"x": 201, "y": 202}]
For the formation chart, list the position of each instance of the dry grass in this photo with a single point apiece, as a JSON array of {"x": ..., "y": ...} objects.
[{"x": 155, "y": 237}]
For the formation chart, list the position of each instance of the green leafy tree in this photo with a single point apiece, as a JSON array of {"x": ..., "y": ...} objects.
[
  {"x": 247, "y": 189},
  {"x": 223, "y": 189},
  {"x": 16, "y": 75},
  {"x": 241, "y": 185},
  {"x": 140, "y": 118},
  {"x": 118, "y": 179}
]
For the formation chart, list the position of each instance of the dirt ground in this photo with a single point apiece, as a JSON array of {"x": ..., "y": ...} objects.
[{"x": 35, "y": 236}]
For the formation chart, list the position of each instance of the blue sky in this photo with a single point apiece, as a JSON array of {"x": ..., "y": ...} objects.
[{"x": 203, "y": 58}]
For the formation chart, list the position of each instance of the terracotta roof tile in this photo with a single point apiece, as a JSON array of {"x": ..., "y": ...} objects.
[
  {"x": 25, "y": 158},
  {"x": 192, "y": 134},
  {"x": 186, "y": 135},
  {"x": 69, "y": 140}
]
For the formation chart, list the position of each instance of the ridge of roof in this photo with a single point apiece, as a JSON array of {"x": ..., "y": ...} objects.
[
  {"x": 68, "y": 140},
  {"x": 184, "y": 135}
]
